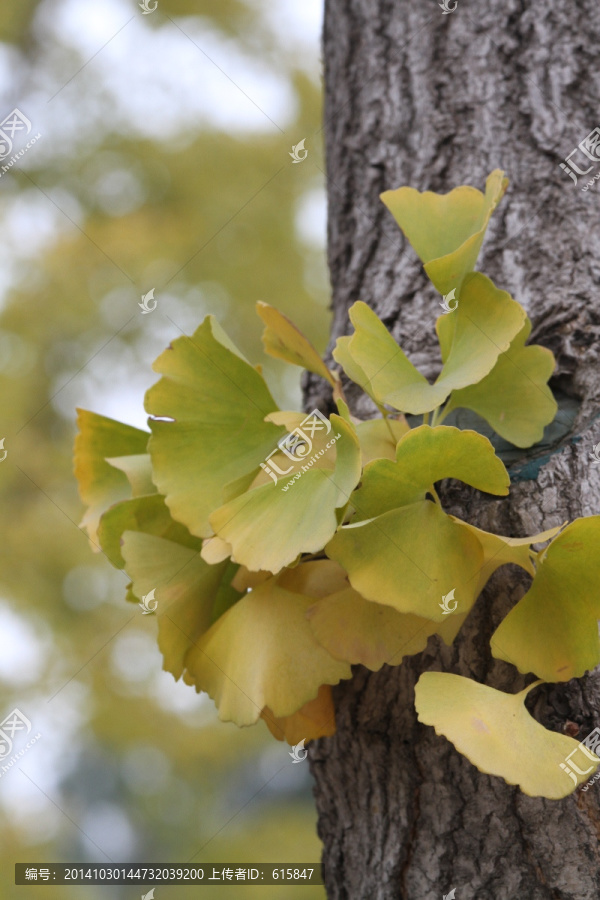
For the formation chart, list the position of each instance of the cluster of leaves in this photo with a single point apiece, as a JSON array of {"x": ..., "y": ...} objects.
[{"x": 269, "y": 589}]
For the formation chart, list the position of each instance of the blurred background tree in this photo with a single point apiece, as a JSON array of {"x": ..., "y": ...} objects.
[{"x": 163, "y": 163}]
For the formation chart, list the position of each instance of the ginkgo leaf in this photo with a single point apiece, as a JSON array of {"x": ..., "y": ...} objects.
[
  {"x": 314, "y": 720},
  {"x": 482, "y": 327},
  {"x": 100, "y": 483},
  {"x": 262, "y": 653},
  {"x": 409, "y": 558},
  {"x": 314, "y": 578},
  {"x": 188, "y": 591},
  {"x": 553, "y": 630},
  {"x": 283, "y": 340},
  {"x": 496, "y": 733},
  {"x": 218, "y": 403},
  {"x": 214, "y": 550},
  {"x": 375, "y": 438},
  {"x": 270, "y": 525},
  {"x": 446, "y": 230},
  {"x": 372, "y": 359},
  {"x": 425, "y": 455},
  {"x": 514, "y": 397},
  {"x": 148, "y": 514},
  {"x": 370, "y": 634},
  {"x": 138, "y": 469},
  {"x": 499, "y": 550}
]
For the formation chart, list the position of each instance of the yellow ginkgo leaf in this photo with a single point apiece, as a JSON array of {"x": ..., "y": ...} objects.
[
  {"x": 499, "y": 550},
  {"x": 262, "y": 653},
  {"x": 446, "y": 230},
  {"x": 370, "y": 634},
  {"x": 553, "y": 630},
  {"x": 514, "y": 397},
  {"x": 425, "y": 455},
  {"x": 270, "y": 525},
  {"x": 473, "y": 337},
  {"x": 189, "y": 592},
  {"x": 314, "y": 720},
  {"x": 497, "y": 734},
  {"x": 283, "y": 340},
  {"x": 100, "y": 483},
  {"x": 378, "y": 439},
  {"x": 410, "y": 558}
]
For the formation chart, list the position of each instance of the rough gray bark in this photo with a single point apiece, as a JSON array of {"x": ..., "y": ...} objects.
[{"x": 430, "y": 100}]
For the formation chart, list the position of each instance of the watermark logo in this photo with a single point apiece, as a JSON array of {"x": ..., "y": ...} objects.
[
  {"x": 297, "y": 151},
  {"x": 589, "y": 148},
  {"x": 298, "y": 445},
  {"x": 447, "y": 9},
  {"x": 15, "y": 122},
  {"x": 15, "y": 724},
  {"x": 590, "y": 743},
  {"x": 595, "y": 454},
  {"x": 446, "y": 302},
  {"x": 5, "y": 452},
  {"x": 146, "y": 300},
  {"x": 146, "y": 10},
  {"x": 445, "y": 604},
  {"x": 13, "y": 125},
  {"x": 297, "y": 752},
  {"x": 15, "y": 721},
  {"x": 451, "y": 895},
  {"x": 149, "y": 895},
  {"x": 146, "y": 603}
]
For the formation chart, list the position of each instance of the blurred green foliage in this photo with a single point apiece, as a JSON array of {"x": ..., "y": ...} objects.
[{"x": 213, "y": 229}]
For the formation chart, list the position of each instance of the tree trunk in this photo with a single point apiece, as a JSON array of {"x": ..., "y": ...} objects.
[{"x": 415, "y": 97}]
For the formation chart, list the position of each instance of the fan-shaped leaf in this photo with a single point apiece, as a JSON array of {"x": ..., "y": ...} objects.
[
  {"x": 190, "y": 593},
  {"x": 553, "y": 630},
  {"x": 423, "y": 456},
  {"x": 314, "y": 720},
  {"x": 496, "y": 733},
  {"x": 262, "y": 653},
  {"x": 514, "y": 397},
  {"x": 218, "y": 403},
  {"x": 100, "y": 483},
  {"x": 283, "y": 340},
  {"x": 446, "y": 230},
  {"x": 482, "y": 327},
  {"x": 370, "y": 634},
  {"x": 270, "y": 525},
  {"x": 409, "y": 558}
]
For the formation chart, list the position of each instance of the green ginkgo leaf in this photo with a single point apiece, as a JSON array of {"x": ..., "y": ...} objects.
[
  {"x": 410, "y": 558},
  {"x": 217, "y": 402},
  {"x": 100, "y": 483},
  {"x": 514, "y": 397},
  {"x": 553, "y": 630},
  {"x": 425, "y": 455},
  {"x": 147, "y": 513},
  {"x": 270, "y": 525},
  {"x": 283, "y": 340},
  {"x": 472, "y": 338},
  {"x": 261, "y": 654},
  {"x": 497, "y": 734},
  {"x": 188, "y": 592},
  {"x": 446, "y": 230},
  {"x": 359, "y": 631}
]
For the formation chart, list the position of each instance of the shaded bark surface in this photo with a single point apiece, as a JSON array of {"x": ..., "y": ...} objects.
[{"x": 430, "y": 100}]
